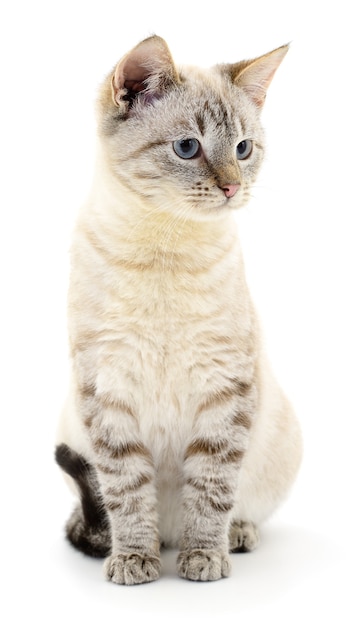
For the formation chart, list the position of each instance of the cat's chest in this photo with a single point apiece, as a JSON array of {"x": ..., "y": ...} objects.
[
  {"x": 159, "y": 336},
  {"x": 173, "y": 346},
  {"x": 176, "y": 332},
  {"x": 172, "y": 321}
]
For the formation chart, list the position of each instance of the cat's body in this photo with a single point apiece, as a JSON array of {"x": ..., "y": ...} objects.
[{"x": 175, "y": 430}]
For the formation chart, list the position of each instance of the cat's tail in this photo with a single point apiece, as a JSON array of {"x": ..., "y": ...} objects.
[{"x": 88, "y": 527}]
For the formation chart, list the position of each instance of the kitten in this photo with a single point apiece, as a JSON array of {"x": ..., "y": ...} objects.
[{"x": 174, "y": 431}]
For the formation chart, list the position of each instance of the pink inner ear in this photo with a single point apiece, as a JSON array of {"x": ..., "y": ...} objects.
[
  {"x": 134, "y": 74},
  {"x": 144, "y": 69},
  {"x": 133, "y": 84},
  {"x": 129, "y": 76}
]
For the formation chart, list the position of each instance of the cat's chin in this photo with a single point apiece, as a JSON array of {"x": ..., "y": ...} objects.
[
  {"x": 198, "y": 212},
  {"x": 217, "y": 212}
]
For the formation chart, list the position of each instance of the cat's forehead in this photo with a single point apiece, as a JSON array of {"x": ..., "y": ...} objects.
[
  {"x": 214, "y": 93},
  {"x": 211, "y": 103},
  {"x": 207, "y": 85}
]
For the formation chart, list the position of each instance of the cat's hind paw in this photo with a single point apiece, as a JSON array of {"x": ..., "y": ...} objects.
[
  {"x": 203, "y": 565},
  {"x": 243, "y": 537},
  {"x": 132, "y": 569}
]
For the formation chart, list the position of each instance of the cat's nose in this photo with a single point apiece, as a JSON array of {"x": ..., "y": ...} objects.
[{"x": 230, "y": 190}]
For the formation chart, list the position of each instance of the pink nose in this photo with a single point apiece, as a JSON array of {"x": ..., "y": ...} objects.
[{"x": 230, "y": 190}]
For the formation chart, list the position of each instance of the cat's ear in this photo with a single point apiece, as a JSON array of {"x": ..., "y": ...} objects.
[
  {"x": 255, "y": 76},
  {"x": 147, "y": 68}
]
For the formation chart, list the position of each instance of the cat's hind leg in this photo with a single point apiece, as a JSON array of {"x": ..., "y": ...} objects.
[
  {"x": 88, "y": 528},
  {"x": 243, "y": 536}
]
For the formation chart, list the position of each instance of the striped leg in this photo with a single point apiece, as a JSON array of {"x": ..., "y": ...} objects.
[
  {"x": 211, "y": 468},
  {"x": 126, "y": 477}
]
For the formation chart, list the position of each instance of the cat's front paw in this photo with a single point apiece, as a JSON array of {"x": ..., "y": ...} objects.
[
  {"x": 203, "y": 565},
  {"x": 132, "y": 569}
]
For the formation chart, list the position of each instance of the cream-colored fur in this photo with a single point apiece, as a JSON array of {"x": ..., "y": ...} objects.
[{"x": 160, "y": 317}]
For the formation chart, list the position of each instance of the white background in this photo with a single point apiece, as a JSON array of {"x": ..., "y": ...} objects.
[{"x": 303, "y": 241}]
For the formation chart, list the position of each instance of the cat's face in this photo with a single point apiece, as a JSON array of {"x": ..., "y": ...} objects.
[{"x": 192, "y": 147}]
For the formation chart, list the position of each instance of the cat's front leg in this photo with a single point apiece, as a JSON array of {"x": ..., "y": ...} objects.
[
  {"x": 211, "y": 468},
  {"x": 125, "y": 473}
]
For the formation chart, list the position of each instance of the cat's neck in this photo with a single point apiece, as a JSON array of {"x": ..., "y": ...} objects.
[{"x": 128, "y": 226}]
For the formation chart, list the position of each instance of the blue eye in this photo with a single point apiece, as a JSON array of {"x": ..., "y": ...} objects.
[
  {"x": 186, "y": 148},
  {"x": 244, "y": 149}
]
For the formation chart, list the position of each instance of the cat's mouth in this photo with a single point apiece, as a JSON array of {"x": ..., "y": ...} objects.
[
  {"x": 218, "y": 201},
  {"x": 231, "y": 201},
  {"x": 220, "y": 207}
]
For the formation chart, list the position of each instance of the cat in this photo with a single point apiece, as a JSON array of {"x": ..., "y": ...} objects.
[{"x": 175, "y": 432}]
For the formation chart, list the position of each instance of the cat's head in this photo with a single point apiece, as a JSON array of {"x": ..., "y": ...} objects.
[{"x": 185, "y": 140}]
